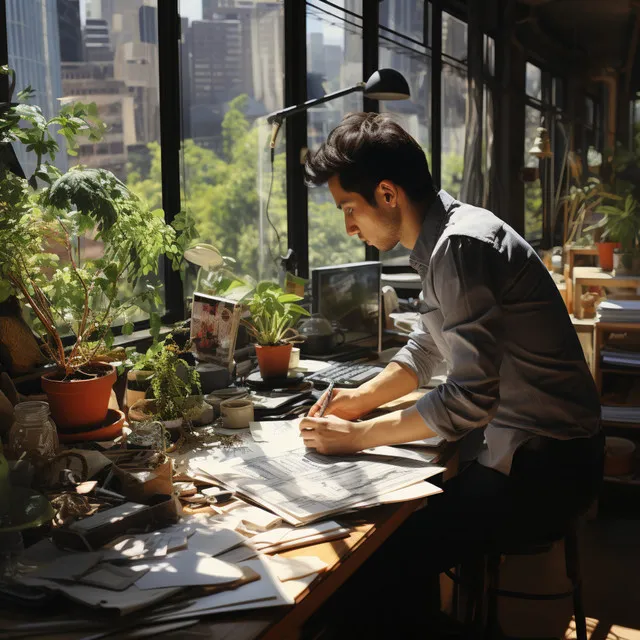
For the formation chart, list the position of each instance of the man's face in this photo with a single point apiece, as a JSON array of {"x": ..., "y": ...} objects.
[{"x": 378, "y": 226}]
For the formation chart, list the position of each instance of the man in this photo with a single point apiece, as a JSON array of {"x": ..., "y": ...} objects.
[{"x": 516, "y": 371}]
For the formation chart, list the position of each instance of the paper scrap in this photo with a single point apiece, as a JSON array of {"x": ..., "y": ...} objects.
[
  {"x": 68, "y": 567},
  {"x": 108, "y": 576},
  {"x": 186, "y": 569},
  {"x": 296, "y": 568},
  {"x": 213, "y": 542}
]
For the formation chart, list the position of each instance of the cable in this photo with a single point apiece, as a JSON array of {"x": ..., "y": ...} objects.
[{"x": 266, "y": 212}]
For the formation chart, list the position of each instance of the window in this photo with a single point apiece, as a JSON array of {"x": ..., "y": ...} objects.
[
  {"x": 334, "y": 61},
  {"x": 533, "y": 209},
  {"x": 454, "y": 102},
  {"x": 232, "y": 65},
  {"x": 533, "y": 81},
  {"x": 402, "y": 47},
  {"x": 89, "y": 51}
]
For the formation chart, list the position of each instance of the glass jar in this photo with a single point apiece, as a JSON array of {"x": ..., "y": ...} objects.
[{"x": 33, "y": 431}]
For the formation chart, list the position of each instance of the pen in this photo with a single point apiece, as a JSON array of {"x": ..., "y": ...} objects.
[{"x": 327, "y": 399}]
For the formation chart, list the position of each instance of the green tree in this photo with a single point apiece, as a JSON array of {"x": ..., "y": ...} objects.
[{"x": 221, "y": 195}]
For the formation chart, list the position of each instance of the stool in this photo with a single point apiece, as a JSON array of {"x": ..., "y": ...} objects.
[{"x": 491, "y": 561}]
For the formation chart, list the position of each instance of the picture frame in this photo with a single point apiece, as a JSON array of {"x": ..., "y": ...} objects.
[{"x": 214, "y": 328}]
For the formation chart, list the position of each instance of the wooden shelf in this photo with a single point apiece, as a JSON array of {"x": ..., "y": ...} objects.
[
  {"x": 632, "y": 480},
  {"x": 620, "y": 425},
  {"x": 629, "y": 371}
]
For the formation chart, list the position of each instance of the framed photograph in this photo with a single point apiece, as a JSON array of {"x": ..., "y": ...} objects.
[{"x": 214, "y": 328}]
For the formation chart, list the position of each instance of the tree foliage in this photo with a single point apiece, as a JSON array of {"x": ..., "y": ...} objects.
[{"x": 222, "y": 197}]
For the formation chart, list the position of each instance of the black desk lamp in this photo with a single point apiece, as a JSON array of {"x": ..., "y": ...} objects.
[{"x": 384, "y": 84}]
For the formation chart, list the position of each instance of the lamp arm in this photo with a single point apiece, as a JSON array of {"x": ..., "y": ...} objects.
[{"x": 279, "y": 116}]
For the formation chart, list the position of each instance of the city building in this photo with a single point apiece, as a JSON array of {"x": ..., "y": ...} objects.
[
  {"x": 94, "y": 82},
  {"x": 71, "y": 46},
  {"x": 97, "y": 42},
  {"x": 136, "y": 65},
  {"x": 34, "y": 54},
  {"x": 148, "y": 19}
]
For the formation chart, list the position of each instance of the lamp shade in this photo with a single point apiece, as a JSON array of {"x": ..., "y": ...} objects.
[
  {"x": 203, "y": 255},
  {"x": 387, "y": 84},
  {"x": 541, "y": 145}
]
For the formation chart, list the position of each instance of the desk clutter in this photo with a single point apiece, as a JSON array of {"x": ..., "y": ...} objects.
[{"x": 195, "y": 526}]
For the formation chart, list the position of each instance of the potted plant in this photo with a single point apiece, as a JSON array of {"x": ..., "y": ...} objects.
[
  {"x": 620, "y": 223},
  {"x": 75, "y": 302},
  {"x": 175, "y": 385},
  {"x": 272, "y": 316}
]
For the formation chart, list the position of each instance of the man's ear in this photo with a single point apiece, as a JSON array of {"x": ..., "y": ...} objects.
[{"x": 387, "y": 193}]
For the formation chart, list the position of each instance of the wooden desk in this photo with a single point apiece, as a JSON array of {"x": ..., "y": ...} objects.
[
  {"x": 370, "y": 528},
  {"x": 595, "y": 277}
]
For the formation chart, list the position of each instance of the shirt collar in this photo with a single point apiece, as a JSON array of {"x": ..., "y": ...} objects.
[{"x": 431, "y": 230}]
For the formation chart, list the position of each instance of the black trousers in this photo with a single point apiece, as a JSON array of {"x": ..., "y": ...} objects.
[{"x": 395, "y": 592}]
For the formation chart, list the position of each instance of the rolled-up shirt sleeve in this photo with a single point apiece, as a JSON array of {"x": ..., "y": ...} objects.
[
  {"x": 464, "y": 281},
  {"x": 420, "y": 355}
]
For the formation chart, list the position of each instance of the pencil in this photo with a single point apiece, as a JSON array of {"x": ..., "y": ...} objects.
[{"x": 327, "y": 400}]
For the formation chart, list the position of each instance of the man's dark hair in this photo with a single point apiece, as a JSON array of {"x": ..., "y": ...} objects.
[{"x": 366, "y": 148}]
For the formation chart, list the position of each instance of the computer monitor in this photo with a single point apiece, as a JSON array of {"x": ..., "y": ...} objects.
[{"x": 348, "y": 295}]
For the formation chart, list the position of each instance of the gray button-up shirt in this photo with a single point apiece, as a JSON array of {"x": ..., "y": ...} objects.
[{"x": 495, "y": 316}]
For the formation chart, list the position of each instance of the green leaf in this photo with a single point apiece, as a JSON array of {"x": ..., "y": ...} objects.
[
  {"x": 6, "y": 289},
  {"x": 289, "y": 297},
  {"x": 127, "y": 328}
]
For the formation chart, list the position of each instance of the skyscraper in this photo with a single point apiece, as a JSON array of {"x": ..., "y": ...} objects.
[
  {"x": 71, "y": 48},
  {"x": 97, "y": 43},
  {"x": 34, "y": 53},
  {"x": 148, "y": 18}
]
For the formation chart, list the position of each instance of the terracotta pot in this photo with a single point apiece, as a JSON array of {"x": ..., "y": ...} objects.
[
  {"x": 77, "y": 404},
  {"x": 273, "y": 361},
  {"x": 605, "y": 254}
]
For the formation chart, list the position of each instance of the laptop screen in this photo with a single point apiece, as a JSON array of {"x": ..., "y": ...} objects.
[{"x": 348, "y": 295}]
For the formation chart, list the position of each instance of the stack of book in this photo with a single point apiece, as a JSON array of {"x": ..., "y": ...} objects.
[{"x": 619, "y": 311}]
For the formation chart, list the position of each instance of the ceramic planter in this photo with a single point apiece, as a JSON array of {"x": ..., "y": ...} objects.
[
  {"x": 82, "y": 403},
  {"x": 626, "y": 263},
  {"x": 605, "y": 254},
  {"x": 273, "y": 361}
]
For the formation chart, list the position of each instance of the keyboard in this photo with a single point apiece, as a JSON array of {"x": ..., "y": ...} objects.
[{"x": 344, "y": 374}]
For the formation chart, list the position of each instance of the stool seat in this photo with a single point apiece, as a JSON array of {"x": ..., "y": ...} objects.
[{"x": 490, "y": 563}]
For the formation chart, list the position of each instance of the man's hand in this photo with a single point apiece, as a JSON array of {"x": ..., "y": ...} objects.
[
  {"x": 331, "y": 435},
  {"x": 344, "y": 403}
]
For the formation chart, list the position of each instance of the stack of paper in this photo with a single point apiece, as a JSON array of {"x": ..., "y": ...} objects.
[
  {"x": 302, "y": 486},
  {"x": 619, "y": 311}
]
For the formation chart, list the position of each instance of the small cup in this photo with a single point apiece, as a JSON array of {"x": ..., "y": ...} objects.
[
  {"x": 236, "y": 414},
  {"x": 294, "y": 358}
]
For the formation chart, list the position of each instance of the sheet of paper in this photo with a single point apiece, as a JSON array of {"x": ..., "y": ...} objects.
[
  {"x": 186, "y": 569},
  {"x": 214, "y": 541},
  {"x": 124, "y": 602},
  {"x": 256, "y": 518},
  {"x": 68, "y": 567},
  {"x": 296, "y": 568},
  {"x": 113, "y": 514},
  {"x": 208, "y": 459},
  {"x": 293, "y": 588},
  {"x": 275, "y": 431},
  {"x": 303, "y": 486},
  {"x": 288, "y": 533},
  {"x": 153, "y": 545},
  {"x": 109, "y": 576},
  {"x": 266, "y": 592}
]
